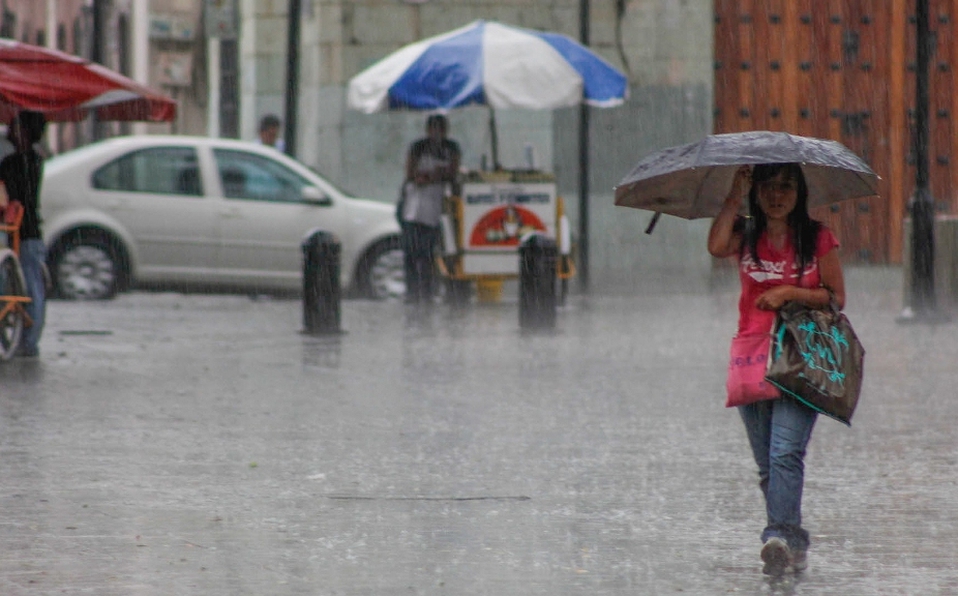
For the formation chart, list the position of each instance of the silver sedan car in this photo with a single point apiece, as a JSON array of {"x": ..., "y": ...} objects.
[{"x": 197, "y": 211}]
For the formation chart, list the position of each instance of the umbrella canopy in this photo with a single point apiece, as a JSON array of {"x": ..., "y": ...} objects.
[
  {"x": 692, "y": 181},
  {"x": 68, "y": 88},
  {"x": 490, "y": 64}
]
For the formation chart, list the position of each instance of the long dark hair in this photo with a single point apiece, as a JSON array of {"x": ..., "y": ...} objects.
[{"x": 804, "y": 229}]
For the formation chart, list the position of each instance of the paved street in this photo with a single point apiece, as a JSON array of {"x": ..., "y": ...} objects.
[{"x": 170, "y": 444}]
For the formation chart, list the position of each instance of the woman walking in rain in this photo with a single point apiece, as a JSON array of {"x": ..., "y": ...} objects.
[{"x": 783, "y": 256}]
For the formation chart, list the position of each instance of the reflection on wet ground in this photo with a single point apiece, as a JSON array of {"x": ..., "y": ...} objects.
[{"x": 203, "y": 445}]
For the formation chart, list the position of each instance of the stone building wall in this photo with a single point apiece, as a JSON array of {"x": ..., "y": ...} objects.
[{"x": 665, "y": 46}]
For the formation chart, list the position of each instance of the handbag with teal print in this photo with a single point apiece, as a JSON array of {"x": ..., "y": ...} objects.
[{"x": 816, "y": 358}]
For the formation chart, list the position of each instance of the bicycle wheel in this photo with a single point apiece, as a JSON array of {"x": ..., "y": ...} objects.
[{"x": 11, "y": 321}]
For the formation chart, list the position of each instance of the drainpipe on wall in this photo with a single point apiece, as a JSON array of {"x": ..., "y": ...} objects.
[
  {"x": 292, "y": 76},
  {"x": 98, "y": 35}
]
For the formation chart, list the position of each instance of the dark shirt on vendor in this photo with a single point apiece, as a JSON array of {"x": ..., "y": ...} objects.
[
  {"x": 21, "y": 173},
  {"x": 444, "y": 152}
]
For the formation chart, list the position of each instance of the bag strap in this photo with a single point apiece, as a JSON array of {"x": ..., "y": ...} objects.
[{"x": 832, "y": 300}]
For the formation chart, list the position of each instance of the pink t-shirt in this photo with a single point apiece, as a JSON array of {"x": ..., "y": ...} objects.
[{"x": 775, "y": 267}]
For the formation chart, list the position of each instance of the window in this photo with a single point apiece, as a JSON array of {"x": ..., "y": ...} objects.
[
  {"x": 164, "y": 170},
  {"x": 250, "y": 176},
  {"x": 8, "y": 23}
]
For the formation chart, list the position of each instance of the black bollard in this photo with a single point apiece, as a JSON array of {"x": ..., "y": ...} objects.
[
  {"x": 538, "y": 257},
  {"x": 321, "y": 291}
]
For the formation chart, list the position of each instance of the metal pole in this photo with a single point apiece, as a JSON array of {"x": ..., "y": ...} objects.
[
  {"x": 494, "y": 139},
  {"x": 923, "y": 204},
  {"x": 292, "y": 76},
  {"x": 584, "y": 27},
  {"x": 96, "y": 55}
]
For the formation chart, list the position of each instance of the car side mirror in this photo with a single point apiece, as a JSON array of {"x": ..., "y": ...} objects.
[{"x": 314, "y": 196}]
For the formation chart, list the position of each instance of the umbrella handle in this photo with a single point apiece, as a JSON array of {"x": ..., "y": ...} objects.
[{"x": 655, "y": 220}]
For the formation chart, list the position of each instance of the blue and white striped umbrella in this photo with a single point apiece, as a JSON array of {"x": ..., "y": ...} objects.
[{"x": 487, "y": 63}]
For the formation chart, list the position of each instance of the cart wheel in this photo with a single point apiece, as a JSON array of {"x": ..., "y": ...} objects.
[{"x": 11, "y": 323}]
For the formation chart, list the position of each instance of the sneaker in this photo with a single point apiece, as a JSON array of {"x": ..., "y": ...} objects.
[
  {"x": 799, "y": 561},
  {"x": 777, "y": 557}
]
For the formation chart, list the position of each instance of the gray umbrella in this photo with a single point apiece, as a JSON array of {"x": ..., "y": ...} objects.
[{"x": 692, "y": 181}]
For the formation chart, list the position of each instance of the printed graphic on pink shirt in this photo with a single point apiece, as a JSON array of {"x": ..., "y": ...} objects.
[
  {"x": 775, "y": 267},
  {"x": 780, "y": 271}
]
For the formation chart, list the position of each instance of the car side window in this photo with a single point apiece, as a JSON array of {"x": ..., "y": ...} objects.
[
  {"x": 162, "y": 170},
  {"x": 257, "y": 178}
]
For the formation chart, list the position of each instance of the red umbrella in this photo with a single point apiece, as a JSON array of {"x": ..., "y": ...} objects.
[{"x": 67, "y": 88}]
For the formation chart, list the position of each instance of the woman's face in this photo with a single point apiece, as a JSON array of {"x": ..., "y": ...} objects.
[{"x": 777, "y": 196}]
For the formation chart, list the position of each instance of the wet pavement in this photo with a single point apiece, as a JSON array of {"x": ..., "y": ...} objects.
[{"x": 187, "y": 444}]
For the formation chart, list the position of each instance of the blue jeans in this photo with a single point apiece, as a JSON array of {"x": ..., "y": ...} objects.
[
  {"x": 778, "y": 432},
  {"x": 33, "y": 255}
]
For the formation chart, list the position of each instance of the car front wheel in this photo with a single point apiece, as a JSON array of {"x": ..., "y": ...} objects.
[
  {"x": 85, "y": 269},
  {"x": 382, "y": 274}
]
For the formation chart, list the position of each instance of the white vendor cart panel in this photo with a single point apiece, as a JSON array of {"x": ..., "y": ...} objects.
[{"x": 496, "y": 216}]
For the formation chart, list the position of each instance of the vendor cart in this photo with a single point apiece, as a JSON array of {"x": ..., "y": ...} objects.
[{"x": 484, "y": 224}]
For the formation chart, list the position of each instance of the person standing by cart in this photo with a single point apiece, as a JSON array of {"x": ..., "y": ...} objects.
[
  {"x": 21, "y": 173},
  {"x": 432, "y": 164}
]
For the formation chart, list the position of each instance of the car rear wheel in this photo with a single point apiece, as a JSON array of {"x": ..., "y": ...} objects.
[
  {"x": 85, "y": 268},
  {"x": 382, "y": 275}
]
